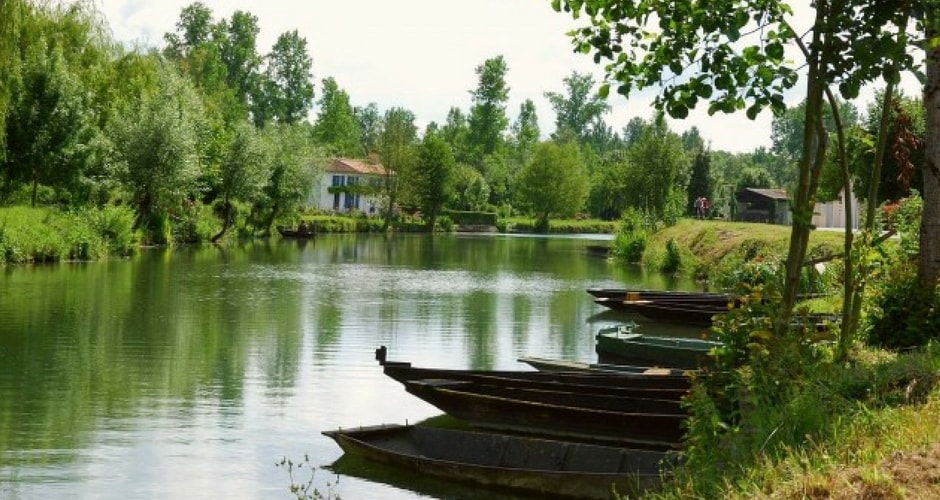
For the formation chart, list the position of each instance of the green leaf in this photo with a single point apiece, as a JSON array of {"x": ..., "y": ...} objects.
[
  {"x": 604, "y": 90},
  {"x": 775, "y": 51}
]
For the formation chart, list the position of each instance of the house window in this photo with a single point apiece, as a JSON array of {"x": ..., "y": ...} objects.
[
  {"x": 338, "y": 180},
  {"x": 352, "y": 199}
]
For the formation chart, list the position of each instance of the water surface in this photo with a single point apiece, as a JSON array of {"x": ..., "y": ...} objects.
[{"x": 189, "y": 373}]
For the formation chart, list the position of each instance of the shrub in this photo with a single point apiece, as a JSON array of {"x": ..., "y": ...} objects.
[
  {"x": 630, "y": 243},
  {"x": 902, "y": 313},
  {"x": 672, "y": 261},
  {"x": 470, "y": 218}
]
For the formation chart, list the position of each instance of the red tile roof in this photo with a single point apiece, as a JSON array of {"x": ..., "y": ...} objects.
[{"x": 351, "y": 166}]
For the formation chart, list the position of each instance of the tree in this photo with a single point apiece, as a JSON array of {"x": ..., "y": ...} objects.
[
  {"x": 579, "y": 108},
  {"x": 397, "y": 150},
  {"x": 659, "y": 172},
  {"x": 905, "y": 116},
  {"x": 471, "y": 191},
  {"x": 156, "y": 146},
  {"x": 610, "y": 185},
  {"x": 336, "y": 126},
  {"x": 735, "y": 58},
  {"x": 240, "y": 56},
  {"x": 193, "y": 29},
  {"x": 488, "y": 121},
  {"x": 287, "y": 87},
  {"x": 525, "y": 131},
  {"x": 12, "y": 10},
  {"x": 370, "y": 126},
  {"x": 553, "y": 182},
  {"x": 295, "y": 166},
  {"x": 929, "y": 269},
  {"x": 434, "y": 176},
  {"x": 245, "y": 172},
  {"x": 49, "y": 125},
  {"x": 457, "y": 133},
  {"x": 787, "y": 135}
]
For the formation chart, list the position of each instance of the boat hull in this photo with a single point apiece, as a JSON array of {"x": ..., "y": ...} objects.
[
  {"x": 623, "y": 344},
  {"x": 639, "y": 386},
  {"x": 635, "y": 429},
  {"x": 542, "y": 467}
]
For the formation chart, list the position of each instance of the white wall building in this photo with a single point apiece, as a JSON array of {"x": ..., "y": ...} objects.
[
  {"x": 349, "y": 185},
  {"x": 831, "y": 214}
]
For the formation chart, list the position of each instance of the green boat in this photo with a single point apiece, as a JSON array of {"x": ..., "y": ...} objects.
[{"x": 623, "y": 344}]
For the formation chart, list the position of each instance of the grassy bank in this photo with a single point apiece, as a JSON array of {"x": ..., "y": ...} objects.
[
  {"x": 32, "y": 235},
  {"x": 705, "y": 249},
  {"x": 784, "y": 419}
]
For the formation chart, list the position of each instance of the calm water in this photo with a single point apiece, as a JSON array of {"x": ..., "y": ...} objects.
[{"x": 190, "y": 373}]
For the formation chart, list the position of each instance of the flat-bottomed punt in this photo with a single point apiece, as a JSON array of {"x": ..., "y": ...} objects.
[
  {"x": 563, "y": 365},
  {"x": 507, "y": 413},
  {"x": 539, "y": 467},
  {"x": 623, "y": 343}
]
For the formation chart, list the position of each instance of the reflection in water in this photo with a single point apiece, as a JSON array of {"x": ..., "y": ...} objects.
[{"x": 190, "y": 372}]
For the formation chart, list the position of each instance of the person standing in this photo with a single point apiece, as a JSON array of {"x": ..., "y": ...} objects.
[
  {"x": 704, "y": 207},
  {"x": 698, "y": 207}
]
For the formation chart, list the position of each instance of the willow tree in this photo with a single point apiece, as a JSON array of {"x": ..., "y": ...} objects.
[
  {"x": 734, "y": 55},
  {"x": 12, "y": 12},
  {"x": 397, "y": 150}
]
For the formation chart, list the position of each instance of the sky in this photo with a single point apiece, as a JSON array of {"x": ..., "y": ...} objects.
[{"x": 422, "y": 55}]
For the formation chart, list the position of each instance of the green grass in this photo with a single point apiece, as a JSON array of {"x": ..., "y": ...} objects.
[
  {"x": 38, "y": 235},
  {"x": 561, "y": 226}
]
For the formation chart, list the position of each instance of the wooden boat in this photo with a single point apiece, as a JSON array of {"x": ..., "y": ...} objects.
[
  {"x": 563, "y": 396},
  {"x": 296, "y": 233},
  {"x": 678, "y": 312},
  {"x": 562, "y": 365},
  {"x": 698, "y": 314},
  {"x": 637, "y": 429},
  {"x": 624, "y": 343},
  {"x": 537, "y": 467},
  {"x": 588, "y": 381},
  {"x": 624, "y": 385},
  {"x": 716, "y": 298}
]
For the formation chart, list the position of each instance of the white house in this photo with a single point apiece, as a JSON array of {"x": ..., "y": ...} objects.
[{"x": 349, "y": 185}]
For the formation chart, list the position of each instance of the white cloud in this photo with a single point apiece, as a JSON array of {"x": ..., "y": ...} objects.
[{"x": 422, "y": 54}]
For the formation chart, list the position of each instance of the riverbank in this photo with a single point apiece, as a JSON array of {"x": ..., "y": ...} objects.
[{"x": 806, "y": 426}]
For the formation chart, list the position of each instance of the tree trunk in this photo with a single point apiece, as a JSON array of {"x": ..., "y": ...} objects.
[
  {"x": 226, "y": 222},
  {"x": 811, "y": 161},
  {"x": 275, "y": 211},
  {"x": 930, "y": 220}
]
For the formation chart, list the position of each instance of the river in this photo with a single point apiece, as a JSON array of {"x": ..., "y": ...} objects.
[{"x": 189, "y": 373}]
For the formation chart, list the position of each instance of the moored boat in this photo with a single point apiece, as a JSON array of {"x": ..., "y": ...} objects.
[
  {"x": 535, "y": 466},
  {"x": 626, "y": 385},
  {"x": 562, "y": 365},
  {"x": 637, "y": 429},
  {"x": 719, "y": 298},
  {"x": 563, "y": 396},
  {"x": 625, "y": 344},
  {"x": 690, "y": 313},
  {"x": 299, "y": 233}
]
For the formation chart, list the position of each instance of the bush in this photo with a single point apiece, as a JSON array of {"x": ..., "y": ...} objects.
[
  {"x": 115, "y": 224},
  {"x": 469, "y": 218},
  {"x": 902, "y": 313},
  {"x": 634, "y": 236},
  {"x": 49, "y": 235},
  {"x": 194, "y": 223},
  {"x": 672, "y": 261},
  {"x": 445, "y": 223}
]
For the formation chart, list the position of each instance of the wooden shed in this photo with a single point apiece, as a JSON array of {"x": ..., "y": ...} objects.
[{"x": 770, "y": 206}]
